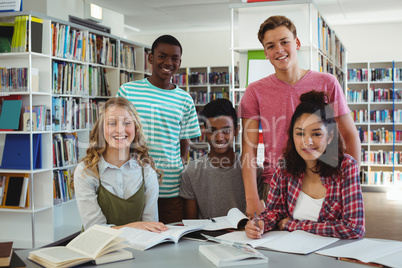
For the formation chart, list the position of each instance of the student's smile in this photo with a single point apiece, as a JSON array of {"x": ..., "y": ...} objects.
[
  {"x": 310, "y": 137},
  {"x": 220, "y": 134},
  {"x": 165, "y": 61},
  {"x": 280, "y": 47},
  {"x": 282, "y": 57},
  {"x": 119, "y": 128}
]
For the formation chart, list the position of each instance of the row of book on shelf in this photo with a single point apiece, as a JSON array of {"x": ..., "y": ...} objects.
[
  {"x": 377, "y": 116},
  {"x": 179, "y": 79},
  {"x": 128, "y": 57},
  {"x": 381, "y": 157},
  {"x": 374, "y": 95},
  {"x": 237, "y": 95},
  {"x": 386, "y": 178},
  {"x": 67, "y": 114},
  {"x": 380, "y": 135},
  {"x": 374, "y": 74},
  {"x": 325, "y": 66},
  {"x": 196, "y": 78},
  {"x": 65, "y": 149},
  {"x": 77, "y": 79},
  {"x": 15, "y": 35},
  {"x": 82, "y": 45},
  {"x": 196, "y": 154},
  {"x": 74, "y": 113},
  {"x": 126, "y": 77},
  {"x": 63, "y": 189},
  {"x": 201, "y": 97},
  {"x": 328, "y": 43},
  {"x": 13, "y": 79},
  {"x": 14, "y": 190}
]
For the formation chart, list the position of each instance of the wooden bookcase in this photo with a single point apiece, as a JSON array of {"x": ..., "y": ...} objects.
[
  {"x": 374, "y": 96},
  {"x": 46, "y": 219}
]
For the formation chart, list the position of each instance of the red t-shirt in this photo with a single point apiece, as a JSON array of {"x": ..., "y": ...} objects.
[{"x": 272, "y": 102}]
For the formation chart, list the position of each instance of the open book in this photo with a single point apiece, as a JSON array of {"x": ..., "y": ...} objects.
[
  {"x": 299, "y": 242},
  {"x": 143, "y": 240},
  {"x": 388, "y": 253},
  {"x": 235, "y": 219},
  {"x": 232, "y": 255},
  {"x": 99, "y": 244}
]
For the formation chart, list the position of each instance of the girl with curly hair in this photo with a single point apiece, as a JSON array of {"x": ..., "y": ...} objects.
[{"x": 116, "y": 183}]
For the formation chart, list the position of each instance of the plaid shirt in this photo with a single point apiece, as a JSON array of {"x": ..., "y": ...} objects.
[{"x": 341, "y": 214}]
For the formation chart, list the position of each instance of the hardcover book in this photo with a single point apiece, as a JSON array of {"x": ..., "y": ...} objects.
[{"x": 99, "y": 244}]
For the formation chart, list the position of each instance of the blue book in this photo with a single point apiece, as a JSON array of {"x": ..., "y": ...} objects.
[{"x": 16, "y": 154}]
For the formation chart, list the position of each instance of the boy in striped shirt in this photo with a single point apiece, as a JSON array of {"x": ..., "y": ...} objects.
[{"x": 169, "y": 120}]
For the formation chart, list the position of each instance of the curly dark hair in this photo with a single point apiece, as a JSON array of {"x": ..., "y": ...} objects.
[{"x": 328, "y": 164}]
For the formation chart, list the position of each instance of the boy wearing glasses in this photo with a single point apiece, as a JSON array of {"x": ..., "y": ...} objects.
[{"x": 213, "y": 184}]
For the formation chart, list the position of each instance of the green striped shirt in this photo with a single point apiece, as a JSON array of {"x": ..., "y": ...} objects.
[{"x": 166, "y": 116}]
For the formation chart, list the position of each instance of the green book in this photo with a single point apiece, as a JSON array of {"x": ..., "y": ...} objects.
[
  {"x": 10, "y": 114},
  {"x": 6, "y": 36}
]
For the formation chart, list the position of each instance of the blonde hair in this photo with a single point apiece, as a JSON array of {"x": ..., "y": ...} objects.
[{"x": 97, "y": 143}]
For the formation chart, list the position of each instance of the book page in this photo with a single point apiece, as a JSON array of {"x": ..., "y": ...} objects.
[
  {"x": 241, "y": 237},
  {"x": 57, "y": 254},
  {"x": 365, "y": 250},
  {"x": 176, "y": 232},
  {"x": 218, "y": 223},
  {"x": 93, "y": 241},
  {"x": 117, "y": 255},
  {"x": 298, "y": 241},
  {"x": 142, "y": 240},
  {"x": 235, "y": 216},
  {"x": 391, "y": 260}
]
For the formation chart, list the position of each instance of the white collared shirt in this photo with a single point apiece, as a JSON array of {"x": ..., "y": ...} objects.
[{"x": 122, "y": 182}]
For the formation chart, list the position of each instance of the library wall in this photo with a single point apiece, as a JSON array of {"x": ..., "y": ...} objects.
[
  {"x": 199, "y": 48},
  {"x": 62, "y": 9},
  {"x": 371, "y": 42},
  {"x": 36, "y": 5}
]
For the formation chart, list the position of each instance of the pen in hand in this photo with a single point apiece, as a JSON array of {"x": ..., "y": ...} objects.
[{"x": 256, "y": 220}]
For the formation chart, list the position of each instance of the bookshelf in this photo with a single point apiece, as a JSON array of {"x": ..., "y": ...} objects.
[
  {"x": 374, "y": 96},
  {"x": 321, "y": 49},
  {"x": 71, "y": 79},
  {"x": 204, "y": 85}
]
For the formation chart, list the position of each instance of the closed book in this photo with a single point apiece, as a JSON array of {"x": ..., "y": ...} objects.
[
  {"x": 7, "y": 30},
  {"x": 6, "y": 251},
  {"x": 10, "y": 114},
  {"x": 16, "y": 262},
  {"x": 14, "y": 188},
  {"x": 36, "y": 35}
]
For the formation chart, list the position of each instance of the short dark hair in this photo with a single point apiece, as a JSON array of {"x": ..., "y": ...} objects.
[
  {"x": 166, "y": 39},
  {"x": 328, "y": 164},
  {"x": 220, "y": 107}
]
